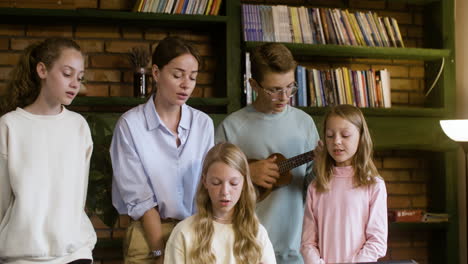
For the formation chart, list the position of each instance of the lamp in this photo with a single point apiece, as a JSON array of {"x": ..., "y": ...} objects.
[{"x": 457, "y": 130}]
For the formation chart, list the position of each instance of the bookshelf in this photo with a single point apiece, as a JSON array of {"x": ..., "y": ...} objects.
[
  {"x": 223, "y": 28},
  {"x": 405, "y": 127}
]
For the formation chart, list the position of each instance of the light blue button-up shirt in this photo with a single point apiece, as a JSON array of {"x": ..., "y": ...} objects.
[{"x": 149, "y": 169}]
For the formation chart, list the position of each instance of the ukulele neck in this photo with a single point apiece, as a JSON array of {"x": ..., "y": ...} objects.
[{"x": 294, "y": 162}]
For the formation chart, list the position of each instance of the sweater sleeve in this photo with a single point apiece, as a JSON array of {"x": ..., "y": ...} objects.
[
  {"x": 268, "y": 254},
  {"x": 175, "y": 251},
  {"x": 220, "y": 135},
  {"x": 309, "y": 243},
  {"x": 5, "y": 186},
  {"x": 130, "y": 179},
  {"x": 375, "y": 246}
]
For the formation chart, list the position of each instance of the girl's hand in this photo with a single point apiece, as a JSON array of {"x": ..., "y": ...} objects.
[{"x": 318, "y": 150}]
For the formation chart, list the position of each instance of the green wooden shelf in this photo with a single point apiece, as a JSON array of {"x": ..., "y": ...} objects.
[
  {"x": 22, "y": 15},
  {"x": 299, "y": 49},
  {"x": 132, "y": 101},
  {"x": 392, "y": 112},
  {"x": 418, "y": 226}
]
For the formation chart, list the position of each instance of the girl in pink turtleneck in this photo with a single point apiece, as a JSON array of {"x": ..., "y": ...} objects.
[{"x": 345, "y": 218}]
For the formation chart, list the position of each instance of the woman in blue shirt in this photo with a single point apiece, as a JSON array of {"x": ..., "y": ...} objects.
[{"x": 157, "y": 151}]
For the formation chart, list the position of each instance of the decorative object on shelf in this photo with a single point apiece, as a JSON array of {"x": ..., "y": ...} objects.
[
  {"x": 139, "y": 57},
  {"x": 457, "y": 130}
]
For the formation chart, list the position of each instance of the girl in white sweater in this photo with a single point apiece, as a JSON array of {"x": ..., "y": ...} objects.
[{"x": 45, "y": 152}]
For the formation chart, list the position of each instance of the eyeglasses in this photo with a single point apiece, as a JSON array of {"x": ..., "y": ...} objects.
[{"x": 276, "y": 93}]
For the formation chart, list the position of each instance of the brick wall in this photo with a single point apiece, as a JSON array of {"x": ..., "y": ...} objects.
[{"x": 108, "y": 69}]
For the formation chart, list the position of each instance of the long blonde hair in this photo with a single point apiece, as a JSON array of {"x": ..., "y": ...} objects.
[
  {"x": 365, "y": 171},
  {"x": 245, "y": 222},
  {"x": 24, "y": 85}
]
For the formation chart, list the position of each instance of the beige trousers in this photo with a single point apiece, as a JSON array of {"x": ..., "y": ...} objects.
[{"x": 136, "y": 249}]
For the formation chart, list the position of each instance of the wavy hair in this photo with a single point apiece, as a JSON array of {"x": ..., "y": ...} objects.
[
  {"x": 25, "y": 85},
  {"x": 245, "y": 222},
  {"x": 365, "y": 171}
]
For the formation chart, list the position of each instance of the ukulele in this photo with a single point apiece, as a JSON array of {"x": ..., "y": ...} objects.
[{"x": 284, "y": 166}]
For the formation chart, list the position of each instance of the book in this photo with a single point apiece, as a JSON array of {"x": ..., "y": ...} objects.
[
  {"x": 405, "y": 215},
  {"x": 435, "y": 217}
]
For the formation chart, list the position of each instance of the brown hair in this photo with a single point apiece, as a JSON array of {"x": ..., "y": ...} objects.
[
  {"x": 25, "y": 85},
  {"x": 245, "y": 222},
  {"x": 172, "y": 47},
  {"x": 271, "y": 57},
  {"x": 365, "y": 171}
]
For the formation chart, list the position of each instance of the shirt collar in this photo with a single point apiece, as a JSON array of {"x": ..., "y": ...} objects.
[{"x": 152, "y": 118}]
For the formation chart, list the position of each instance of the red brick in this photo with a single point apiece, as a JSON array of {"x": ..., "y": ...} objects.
[
  {"x": 93, "y": 31},
  {"x": 8, "y": 58},
  {"x": 209, "y": 64},
  {"x": 400, "y": 163},
  {"x": 208, "y": 91},
  {"x": 409, "y": 253},
  {"x": 416, "y": 72},
  {"x": 124, "y": 221},
  {"x": 400, "y": 98},
  {"x": 419, "y": 201},
  {"x": 5, "y": 73},
  {"x": 399, "y": 84},
  {"x": 418, "y": 19},
  {"x": 405, "y": 188},
  {"x": 2, "y": 88},
  {"x": 395, "y": 175},
  {"x": 102, "y": 233},
  {"x": 119, "y": 233},
  {"x": 21, "y": 44},
  {"x": 121, "y": 90},
  {"x": 415, "y": 32},
  {"x": 395, "y": 71},
  {"x": 401, "y": 17},
  {"x": 86, "y": 3},
  {"x": 378, "y": 163},
  {"x": 420, "y": 175},
  {"x": 97, "y": 222},
  {"x": 205, "y": 78},
  {"x": 399, "y": 240},
  {"x": 399, "y": 202},
  {"x": 12, "y": 30},
  {"x": 204, "y": 49},
  {"x": 367, "y": 4},
  {"x": 102, "y": 75},
  {"x": 124, "y": 46},
  {"x": 109, "y": 61},
  {"x": 197, "y": 92},
  {"x": 396, "y": 5},
  {"x": 97, "y": 89},
  {"x": 49, "y": 31},
  {"x": 155, "y": 34},
  {"x": 116, "y": 4},
  {"x": 91, "y": 45},
  {"x": 132, "y": 33},
  {"x": 4, "y": 44},
  {"x": 192, "y": 36},
  {"x": 417, "y": 99},
  {"x": 411, "y": 43}
]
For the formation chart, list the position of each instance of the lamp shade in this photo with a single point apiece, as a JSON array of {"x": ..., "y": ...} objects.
[{"x": 455, "y": 129}]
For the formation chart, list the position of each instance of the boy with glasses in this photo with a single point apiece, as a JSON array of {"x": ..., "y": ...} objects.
[{"x": 269, "y": 126}]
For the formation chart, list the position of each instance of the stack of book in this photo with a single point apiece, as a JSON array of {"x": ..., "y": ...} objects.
[
  {"x": 191, "y": 7},
  {"x": 281, "y": 23},
  {"x": 416, "y": 215}
]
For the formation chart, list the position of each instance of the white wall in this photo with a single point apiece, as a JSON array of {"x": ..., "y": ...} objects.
[{"x": 461, "y": 57}]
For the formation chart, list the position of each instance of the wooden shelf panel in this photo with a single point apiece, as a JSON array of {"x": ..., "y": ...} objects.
[
  {"x": 132, "y": 101},
  {"x": 21, "y": 15},
  {"x": 392, "y": 112},
  {"x": 418, "y": 226},
  {"x": 329, "y": 50}
]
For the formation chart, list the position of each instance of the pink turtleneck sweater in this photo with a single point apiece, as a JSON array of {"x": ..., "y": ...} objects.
[{"x": 345, "y": 224}]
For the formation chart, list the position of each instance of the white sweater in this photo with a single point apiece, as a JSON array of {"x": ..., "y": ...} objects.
[
  {"x": 44, "y": 166},
  {"x": 181, "y": 243}
]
